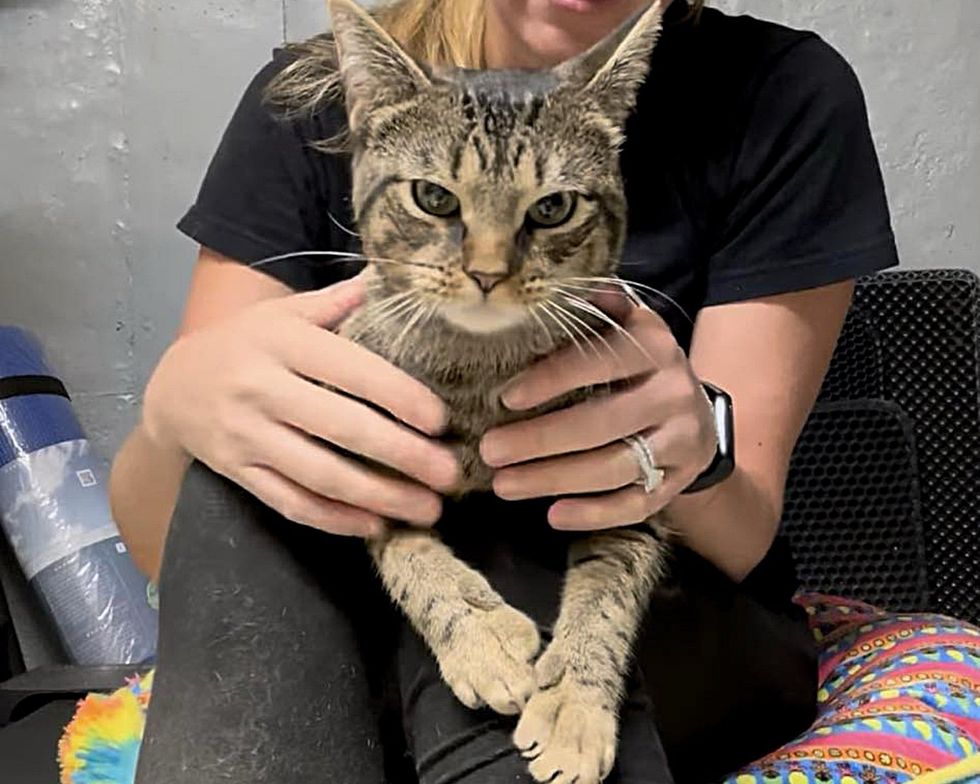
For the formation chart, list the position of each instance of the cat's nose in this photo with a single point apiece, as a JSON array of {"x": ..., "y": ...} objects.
[{"x": 485, "y": 280}]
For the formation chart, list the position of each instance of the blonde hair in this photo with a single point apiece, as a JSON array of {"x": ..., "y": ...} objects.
[
  {"x": 438, "y": 32},
  {"x": 446, "y": 32}
]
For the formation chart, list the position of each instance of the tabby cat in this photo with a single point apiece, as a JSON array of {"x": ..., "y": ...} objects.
[{"x": 487, "y": 201}]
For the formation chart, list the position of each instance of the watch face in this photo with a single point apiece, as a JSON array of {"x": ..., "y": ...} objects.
[
  {"x": 721, "y": 402},
  {"x": 724, "y": 462}
]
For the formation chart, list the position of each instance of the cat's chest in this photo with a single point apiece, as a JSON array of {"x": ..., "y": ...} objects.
[
  {"x": 472, "y": 414},
  {"x": 473, "y": 399},
  {"x": 468, "y": 378}
]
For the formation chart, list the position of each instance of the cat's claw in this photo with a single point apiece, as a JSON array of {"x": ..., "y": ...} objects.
[
  {"x": 489, "y": 661},
  {"x": 568, "y": 734}
]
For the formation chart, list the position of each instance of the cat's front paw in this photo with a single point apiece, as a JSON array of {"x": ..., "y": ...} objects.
[
  {"x": 489, "y": 659},
  {"x": 567, "y": 732}
]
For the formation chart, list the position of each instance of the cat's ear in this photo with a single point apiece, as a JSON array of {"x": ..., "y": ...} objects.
[
  {"x": 375, "y": 69},
  {"x": 613, "y": 70}
]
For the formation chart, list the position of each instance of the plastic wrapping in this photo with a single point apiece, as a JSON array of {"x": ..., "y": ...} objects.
[{"x": 54, "y": 511}]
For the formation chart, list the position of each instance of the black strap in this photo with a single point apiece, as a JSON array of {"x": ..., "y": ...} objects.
[{"x": 16, "y": 386}]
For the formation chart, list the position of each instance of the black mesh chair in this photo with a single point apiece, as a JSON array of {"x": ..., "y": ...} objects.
[{"x": 883, "y": 501}]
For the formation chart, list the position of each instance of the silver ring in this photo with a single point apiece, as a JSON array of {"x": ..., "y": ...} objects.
[{"x": 651, "y": 477}]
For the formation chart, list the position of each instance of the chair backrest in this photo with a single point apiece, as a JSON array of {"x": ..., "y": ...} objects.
[{"x": 883, "y": 501}]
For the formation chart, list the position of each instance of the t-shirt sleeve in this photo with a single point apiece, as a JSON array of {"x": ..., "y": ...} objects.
[
  {"x": 806, "y": 204},
  {"x": 267, "y": 191}
]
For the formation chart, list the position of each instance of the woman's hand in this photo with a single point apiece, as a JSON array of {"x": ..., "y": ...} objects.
[
  {"x": 580, "y": 450},
  {"x": 244, "y": 396}
]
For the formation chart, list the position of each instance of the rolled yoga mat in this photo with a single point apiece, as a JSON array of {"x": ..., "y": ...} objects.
[{"x": 54, "y": 510}]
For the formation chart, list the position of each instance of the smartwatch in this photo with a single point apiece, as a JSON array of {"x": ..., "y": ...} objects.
[{"x": 724, "y": 461}]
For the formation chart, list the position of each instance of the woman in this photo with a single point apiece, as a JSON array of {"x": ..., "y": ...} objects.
[{"x": 755, "y": 200}]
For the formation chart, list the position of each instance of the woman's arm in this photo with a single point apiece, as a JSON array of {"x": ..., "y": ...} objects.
[
  {"x": 260, "y": 388},
  {"x": 146, "y": 475},
  {"x": 771, "y": 356}
]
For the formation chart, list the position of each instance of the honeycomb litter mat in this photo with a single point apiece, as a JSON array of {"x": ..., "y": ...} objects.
[{"x": 910, "y": 344}]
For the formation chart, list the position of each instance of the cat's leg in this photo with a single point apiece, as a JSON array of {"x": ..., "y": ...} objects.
[
  {"x": 484, "y": 647},
  {"x": 568, "y": 729}
]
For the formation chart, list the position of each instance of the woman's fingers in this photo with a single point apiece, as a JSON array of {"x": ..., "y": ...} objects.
[
  {"x": 597, "y": 470},
  {"x": 570, "y": 368},
  {"x": 589, "y": 425},
  {"x": 329, "y": 307},
  {"x": 296, "y": 503},
  {"x": 645, "y": 347},
  {"x": 629, "y": 506},
  {"x": 325, "y": 357},
  {"x": 364, "y": 431},
  {"x": 325, "y": 473}
]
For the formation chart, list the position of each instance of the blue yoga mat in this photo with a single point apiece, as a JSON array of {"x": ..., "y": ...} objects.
[
  {"x": 30, "y": 422},
  {"x": 54, "y": 510}
]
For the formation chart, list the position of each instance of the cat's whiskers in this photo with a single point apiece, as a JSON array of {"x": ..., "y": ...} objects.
[
  {"x": 596, "y": 334},
  {"x": 570, "y": 320},
  {"x": 607, "y": 385},
  {"x": 533, "y": 312},
  {"x": 422, "y": 308},
  {"x": 376, "y": 308},
  {"x": 573, "y": 290},
  {"x": 336, "y": 256},
  {"x": 618, "y": 292},
  {"x": 396, "y": 310},
  {"x": 547, "y": 309},
  {"x": 588, "y": 307},
  {"x": 340, "y": 257},
  {"x": 341, "y": 226},
  {"x": 377, "y": 313},
  {"x": 433, "y": 309},
  {"x": 623, "y": 290},
  {"x": 631, "y": 287}
]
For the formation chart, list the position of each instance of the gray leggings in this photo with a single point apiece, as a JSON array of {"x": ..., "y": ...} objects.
[{"x": 281, "y": 661}]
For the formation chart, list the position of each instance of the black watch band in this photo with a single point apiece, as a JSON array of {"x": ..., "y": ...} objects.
[{"x": 724, "y": 461}]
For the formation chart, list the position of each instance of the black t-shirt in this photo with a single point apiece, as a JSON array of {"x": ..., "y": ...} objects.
[{"x": 749, "y": 171}]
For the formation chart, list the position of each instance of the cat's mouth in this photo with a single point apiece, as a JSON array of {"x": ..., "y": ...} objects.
[
  {"x": 484, "y": 307},
  {"x": 484, "y": 316}
]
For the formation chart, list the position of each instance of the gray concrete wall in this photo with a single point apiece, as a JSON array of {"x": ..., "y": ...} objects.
[
  {"x": 109, "y": 112},
  {"x": 919, "y": 62}
]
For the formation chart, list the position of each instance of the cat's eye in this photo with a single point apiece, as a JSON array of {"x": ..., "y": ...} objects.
[
  {"x": 434, "y": 199},
  {"x": 552, "y": 210}
]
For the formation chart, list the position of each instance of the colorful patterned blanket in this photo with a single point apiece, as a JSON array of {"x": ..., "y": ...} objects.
[
  {"x": 899, "y": 702},
  {"x": 899, "y": 699}
]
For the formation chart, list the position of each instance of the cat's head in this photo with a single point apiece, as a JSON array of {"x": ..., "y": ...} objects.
[{"x": 489, "y": 188}]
